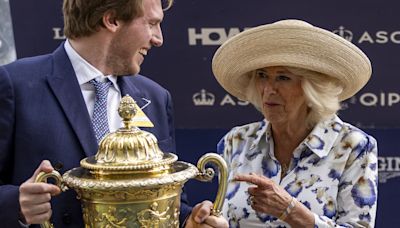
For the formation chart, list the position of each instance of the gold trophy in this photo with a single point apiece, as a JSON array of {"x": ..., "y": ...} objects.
[{"x": 130, "y": 182}]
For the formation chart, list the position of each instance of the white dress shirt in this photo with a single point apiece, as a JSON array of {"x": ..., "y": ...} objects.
[{"x": 85, "y": 72}]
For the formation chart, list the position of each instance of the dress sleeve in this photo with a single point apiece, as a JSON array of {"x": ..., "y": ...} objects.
[{"x": 357, "y": 194}]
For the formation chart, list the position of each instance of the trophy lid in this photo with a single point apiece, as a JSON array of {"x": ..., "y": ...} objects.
[{"x": 129, "y": 149}]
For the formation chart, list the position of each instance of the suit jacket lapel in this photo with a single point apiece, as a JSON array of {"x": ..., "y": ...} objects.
[
  {"x": 127, "y": 87},
  {"x": 65, "y": 87}
]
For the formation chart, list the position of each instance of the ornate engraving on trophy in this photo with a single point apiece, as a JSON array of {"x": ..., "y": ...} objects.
[
  {"x": 153, "y": 218},
  {"x": 109, "y": 216},
  {"x": 113, "y": 217}
]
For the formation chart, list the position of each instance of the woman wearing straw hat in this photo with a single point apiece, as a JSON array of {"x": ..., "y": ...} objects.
[{"x": 301, "y": 166}]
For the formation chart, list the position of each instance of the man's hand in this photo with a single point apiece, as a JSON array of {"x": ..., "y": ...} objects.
[
  {"x": 201, "y": 217},
  {"x": 34, "y": 198}
]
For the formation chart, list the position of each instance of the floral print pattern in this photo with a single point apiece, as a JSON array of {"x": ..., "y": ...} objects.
[{"x": 333, "y": 172}]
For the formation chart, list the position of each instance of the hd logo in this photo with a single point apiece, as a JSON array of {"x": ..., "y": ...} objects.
[{"x": 211, "y": 36}]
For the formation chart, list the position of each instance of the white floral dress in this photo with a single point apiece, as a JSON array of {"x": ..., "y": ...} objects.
[{"x": 333, "y": 172}]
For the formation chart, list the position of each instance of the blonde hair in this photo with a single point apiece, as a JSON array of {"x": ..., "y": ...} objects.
[{"x": 321, "y": 93}]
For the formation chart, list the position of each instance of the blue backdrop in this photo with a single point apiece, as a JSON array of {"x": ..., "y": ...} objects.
[{"x": 194, "y": 29}]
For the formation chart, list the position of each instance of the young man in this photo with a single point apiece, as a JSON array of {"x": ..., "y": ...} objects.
[{"x": 47, "y": 107}]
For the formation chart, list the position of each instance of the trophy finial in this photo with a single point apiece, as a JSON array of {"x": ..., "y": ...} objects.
[
  {"x": 127, "y": 110},
  {"x": 128, "y": 149}
]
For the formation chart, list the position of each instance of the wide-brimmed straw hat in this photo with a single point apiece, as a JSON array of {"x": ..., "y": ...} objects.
[{"x": 292, "y": 43}]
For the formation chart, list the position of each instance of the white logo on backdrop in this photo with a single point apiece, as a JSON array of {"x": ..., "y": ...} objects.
[
  {"x": 203, "y": 98},
  {"x": 218, "y": 35},
  {"x": 382, "y": 99},
  {"x": 368, "y": 99},
  {"x": 58, "y": 33},
  {"x": 211, "y": 36},
  {"x": 388, "y": 168},
  {"x": 345, "y": 33},
  {"x": 379, "y": 37}
]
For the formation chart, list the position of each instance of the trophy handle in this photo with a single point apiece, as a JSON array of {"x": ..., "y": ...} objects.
[
  {"x": 42, "y": 177},
  {"x": 208, "y": 174}
]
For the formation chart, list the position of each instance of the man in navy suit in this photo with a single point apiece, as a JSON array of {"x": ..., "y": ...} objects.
[{"x": 47, "y": 102}]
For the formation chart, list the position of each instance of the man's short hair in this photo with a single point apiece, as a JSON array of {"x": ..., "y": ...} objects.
[{"x": 85, "y": 17}]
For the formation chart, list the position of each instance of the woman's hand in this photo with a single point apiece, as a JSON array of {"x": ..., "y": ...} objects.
[
  {"x": 270, "y": 198},
  {"x": 266, "y": 196}
]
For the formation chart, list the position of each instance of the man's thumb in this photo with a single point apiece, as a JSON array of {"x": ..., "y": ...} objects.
[{"x": 45, "y": 166}]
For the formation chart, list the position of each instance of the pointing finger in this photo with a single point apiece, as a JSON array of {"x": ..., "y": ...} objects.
[{"x": 261, "y": 182}]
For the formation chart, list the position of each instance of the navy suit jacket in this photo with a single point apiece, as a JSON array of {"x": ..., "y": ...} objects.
[{"x": 43, "y": 116}]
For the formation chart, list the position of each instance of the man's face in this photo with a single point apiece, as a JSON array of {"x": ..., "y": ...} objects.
[{"x": 134, "y": 39}]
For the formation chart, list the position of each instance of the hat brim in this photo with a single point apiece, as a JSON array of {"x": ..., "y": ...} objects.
[{"x": 294, "y": 45}]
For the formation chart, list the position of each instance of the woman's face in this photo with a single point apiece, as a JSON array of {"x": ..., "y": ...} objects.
[{"x": 281, "y": 94}]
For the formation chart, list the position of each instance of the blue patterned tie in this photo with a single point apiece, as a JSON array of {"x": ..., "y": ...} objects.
[{"x": 99, "y": 118}]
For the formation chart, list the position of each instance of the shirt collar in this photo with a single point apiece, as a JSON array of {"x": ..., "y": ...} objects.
[
  {"x": 263, "y": 132},
  {"x": 319, "y": 141},
  {"x": 84, "y": 70},
  {"x": 324, "y": 135}
]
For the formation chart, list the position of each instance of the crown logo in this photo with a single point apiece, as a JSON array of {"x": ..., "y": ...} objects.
[
  {"x": 203, "y": 98},
  {"x": 345, "y": 33}
]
